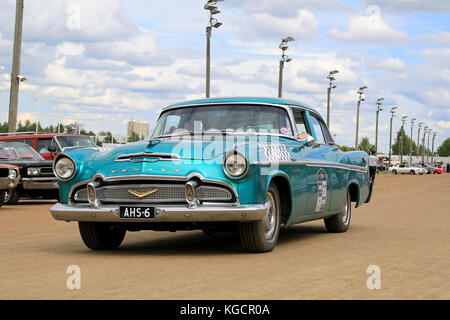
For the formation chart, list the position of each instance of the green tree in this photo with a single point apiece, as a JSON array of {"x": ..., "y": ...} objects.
[
  {"x": 444, "y": 148},
  {"x": 346, "y": 148},
  {"x": 366, "y": 146}
]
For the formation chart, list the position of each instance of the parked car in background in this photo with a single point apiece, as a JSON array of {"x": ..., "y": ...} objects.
[
  {"x": 407, "y": 169},
  {"x": 37, "y": 179},
  {"x": 429, "y": 168},
  {"x": 48, "y": 145},
  {"x": 382, "y": 167},
  {"x": 439, "y": 170},
  {"x": 422, "y": 170},
  {"x": 253, "y": 164},
  {"x": 9, "y": 178}
]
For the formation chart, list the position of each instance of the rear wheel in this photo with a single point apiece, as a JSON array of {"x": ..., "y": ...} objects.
[
  {"x": 341, "y": 221},
  {"x": 101, "y": 235},
  {"x": 394, "y": 171},
  {"x": 262, "y": 236}
]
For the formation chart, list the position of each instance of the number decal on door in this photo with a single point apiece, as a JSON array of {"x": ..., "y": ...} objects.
[{"x": 321, "y": 190}]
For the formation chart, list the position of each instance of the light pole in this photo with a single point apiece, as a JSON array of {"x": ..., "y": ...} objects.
[
  {"x": 361, "y": 98},
  {"x": 379, "y": 103},
  {"x": 418, "y": 137},
  {"x": 428, "y": 144},
  {"x": 411, "y": 140},
  {"x": 390, "y": 135},
  {"x": 401, "y": 138},
  {"x": 15, "y": 72},
  {"x": 331, "y": 86},
  {"x": 432, "y": 147},
  {"x": 284, "y": 59},
  {"x": 423, "y": 143},
  {"x": 212, "y": 8}
]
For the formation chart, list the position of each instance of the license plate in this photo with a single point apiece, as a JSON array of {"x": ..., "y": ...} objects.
[{"x": 137, "y": 213}]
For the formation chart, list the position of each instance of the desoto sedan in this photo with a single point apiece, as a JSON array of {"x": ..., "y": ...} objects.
[{"x": 253, "y": 164}]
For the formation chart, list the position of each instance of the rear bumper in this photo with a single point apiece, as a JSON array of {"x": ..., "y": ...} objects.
[
  {"x": 86, "y": 212},
  {"x": 8, "y": 183},
  {"x": 40, "y": 183}
]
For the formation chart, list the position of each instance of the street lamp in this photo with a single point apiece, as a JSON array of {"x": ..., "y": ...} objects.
[
  {"x": 213, "y": 23},
  {"x": 432, "y": 148},
  {"x": 418, "y": 137},
  {"x": 361, "y": 98},
  {"x": 411, "y": 140},
  {"x": 423, "y": 143},
  {"x": 331, "y": 86},
  {"x": 284, "y": 59},
  {"x": 401, "y": 138},
  {"x": 428, "y": 147},
  {"x": 390, "y": 135},
  {"x": 379, "y": 103}
]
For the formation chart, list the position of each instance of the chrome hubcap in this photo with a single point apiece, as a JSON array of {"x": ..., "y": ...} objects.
[
  {"x": 269, "y": 220},
  {"x": 7, "y": 195},
  {"x": 345, "y": 212}
]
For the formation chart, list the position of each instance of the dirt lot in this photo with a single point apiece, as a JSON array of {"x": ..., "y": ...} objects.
[{"x": 404, "y": 231}]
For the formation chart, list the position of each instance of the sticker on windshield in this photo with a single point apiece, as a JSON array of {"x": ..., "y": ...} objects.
[
  {"x": 321, "y": 190},
  {"x": 284, "y": 130}
]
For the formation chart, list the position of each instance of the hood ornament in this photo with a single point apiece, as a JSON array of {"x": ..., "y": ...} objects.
[{"x": 142, "y": 194}]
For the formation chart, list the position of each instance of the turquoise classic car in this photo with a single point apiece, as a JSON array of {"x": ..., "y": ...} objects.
[{"x": 253, "y": 164}]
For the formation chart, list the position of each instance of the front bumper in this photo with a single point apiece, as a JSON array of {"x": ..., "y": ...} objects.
[
  {"x": 110, "y": 213},
  {"x": 40, "y": 183},
  {"x": 8, "y": 183}
]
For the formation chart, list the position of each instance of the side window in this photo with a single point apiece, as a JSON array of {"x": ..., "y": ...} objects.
[
  {"x": 327, "y": 133},
  {"x": 42, "y": 145},
  {"x": 300, "y": 122},
  {"x": 317, "y": 129}
]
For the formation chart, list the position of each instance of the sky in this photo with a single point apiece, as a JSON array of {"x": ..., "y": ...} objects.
[{"x": 104, "y": 62}]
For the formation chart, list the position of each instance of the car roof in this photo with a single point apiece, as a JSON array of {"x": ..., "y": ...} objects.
[
  {"x": 247, "y": 100},
  {"x": 45, "y": 135}
]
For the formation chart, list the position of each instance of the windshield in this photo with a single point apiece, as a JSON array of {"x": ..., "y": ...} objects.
[
  {"x": 224, "y": 118},
  {"x": 75, "y": 141},
  {"x": 11, "y": 153}
]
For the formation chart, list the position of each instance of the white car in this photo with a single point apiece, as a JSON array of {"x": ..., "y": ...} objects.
[{"x": 407, "y": 168}]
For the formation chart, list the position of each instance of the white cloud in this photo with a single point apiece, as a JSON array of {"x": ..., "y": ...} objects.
[
  {"x": 369, "y": 28},
  {"x": 392, "y": 64},
  {"x": 440, "y": 38},
  {"x": 412, "y": 5}
]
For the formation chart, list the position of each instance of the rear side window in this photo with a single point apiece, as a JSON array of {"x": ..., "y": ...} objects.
[{"x": 300, "y": 122}]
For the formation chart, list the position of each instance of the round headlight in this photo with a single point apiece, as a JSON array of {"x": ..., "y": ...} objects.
[
  {"x": 235, "y": 165},
  {"x": 64, "y": 168},
  {"x": 12, "y": 173}
]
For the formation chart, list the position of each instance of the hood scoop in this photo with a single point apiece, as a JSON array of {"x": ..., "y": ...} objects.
[{"x": 148, "y": 157}]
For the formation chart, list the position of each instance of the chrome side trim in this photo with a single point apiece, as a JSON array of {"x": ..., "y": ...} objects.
[{"x": 315, "y": 164}]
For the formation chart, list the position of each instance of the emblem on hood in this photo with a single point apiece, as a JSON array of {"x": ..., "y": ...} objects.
[{"x": 141, "y": 194}]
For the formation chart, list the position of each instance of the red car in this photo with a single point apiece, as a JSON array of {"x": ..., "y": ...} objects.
[
  {"x": 48, "y": 145},
  {"x": 439, "y": 170}
]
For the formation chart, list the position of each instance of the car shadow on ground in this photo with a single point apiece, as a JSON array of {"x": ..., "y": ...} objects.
[{"x": 196, "y": 243}]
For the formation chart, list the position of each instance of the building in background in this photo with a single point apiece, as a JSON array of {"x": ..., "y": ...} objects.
[{"x": 137, "y": 130}]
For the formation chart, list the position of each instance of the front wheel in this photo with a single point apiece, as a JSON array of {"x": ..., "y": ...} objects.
[
  {"x": 2, "y": 197},
  {"x": 262, "y": 236},
  {"x": 101, "y": 235},
  {"x": 341, "y": 221},
  {"x": 394, "y": 171},
  {"x": 12, "y": 197},
  {"x": 412, "y": 172}
]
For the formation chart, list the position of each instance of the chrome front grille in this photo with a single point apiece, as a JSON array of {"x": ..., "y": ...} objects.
[{"x": 154, "y": 193}]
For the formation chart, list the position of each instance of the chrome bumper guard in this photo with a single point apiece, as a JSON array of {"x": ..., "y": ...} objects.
[
  {"x": 8, "y": 183},
  {"x": 40, "y": 183},
  {"x": 107, "y": 213}
]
